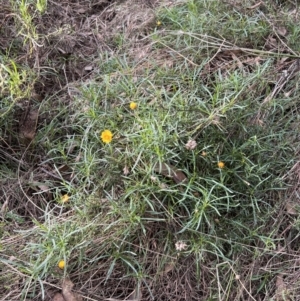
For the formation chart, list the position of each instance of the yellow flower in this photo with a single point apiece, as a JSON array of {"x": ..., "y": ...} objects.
[
  {"x": 61, "y": 264},
  {"x": 158, "y": 23},
  {"x": 221, "y": 164},
  {"x": 133, "y": 105},
  {"x": 65, "y": 198},
  {"x": 106, "y": 136}
]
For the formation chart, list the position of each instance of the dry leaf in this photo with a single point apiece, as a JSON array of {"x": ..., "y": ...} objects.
[
  {"x": 239, "y": 63},
  {"x": 169, "y": 267},
  {"x": 28, "y": 125},
  {"x": 88, "y": 68},
  {"x": 271, "y": 43},
  {"x": 67, "y": 291},
  {"x": 126, "y": 170},
  {"x": 282, "y": 31},
  {"x": 43, "y": 187},
  {"x": 291, "y": 208},
  {"x": 281, "y": 290},
  {"x": 82, "y": 10},
  {"x": 58, "y": 297},
  {"x": 170, "y": 171}
]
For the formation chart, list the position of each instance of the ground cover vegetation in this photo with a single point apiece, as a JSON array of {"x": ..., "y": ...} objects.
[{"x": 149, "y": 150}]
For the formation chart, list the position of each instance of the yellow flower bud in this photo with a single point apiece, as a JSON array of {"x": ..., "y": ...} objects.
[
  {"x": 133, "y": 105},
  {"x": 65, "y": 198},
  {"x": 221, "y": 164},
  {"x": 61, "y": 264}
]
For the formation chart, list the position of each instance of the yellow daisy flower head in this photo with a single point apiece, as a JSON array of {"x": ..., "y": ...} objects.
[
  {"x": 221, "y": 164},
  {"x": 65, "y": 198},
  {"x": 61, "y": 264},
  {"x": 133, "y": 105},
  {"x": 106, "y": 136},
  {"x": 158, "y": 23}
]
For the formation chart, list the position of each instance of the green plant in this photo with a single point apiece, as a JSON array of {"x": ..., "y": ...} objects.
[{"x": 174, "y": 171}]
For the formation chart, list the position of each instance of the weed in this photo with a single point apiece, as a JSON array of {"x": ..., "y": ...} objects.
[{"x": 171, "y": 172}]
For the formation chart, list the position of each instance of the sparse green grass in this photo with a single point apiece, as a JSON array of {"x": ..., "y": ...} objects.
[
  {"x": 124, "y": 219},
  {"x": 15, "y": 83},
  {"x": 16, "y": 77}
]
